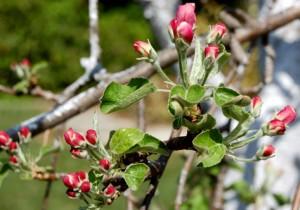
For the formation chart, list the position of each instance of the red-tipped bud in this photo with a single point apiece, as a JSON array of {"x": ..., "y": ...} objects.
[
  {"x": 25, "y": 63},
  {"x": 275, "y": 127},
  {"x": 4, "y": 140},
  {"x": 142, "y": 48},
  {"x": 186, "y": 13},
  {"x": 14, "y": 160},
  {"x": 72, "y": 194},
  {"x": 24, "y": 132},
  {"x": 211, "y": 51},
  {"x": 287, "y": 115},
  {"x": 74, "y": 139},
  {"x": 110, "y": 191},
  {"x": 72, "y": 181},
  {"x": 81, "y": 175},
  {"x": 266, "y": 152},
  {"x": 13, "y": 146},
  {"x": 217, "y": 32},
  {"x": 104, "y": 164},
  {"x": 91, "y": 136},
  {"x": 256, "y": 104},
  {"x": 85, "y": 186},
  {"x": 78, "y": 153}
]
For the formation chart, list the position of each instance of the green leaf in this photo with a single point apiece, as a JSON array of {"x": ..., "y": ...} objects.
[
  {"x": 221, "y": 60},
  {"x": 150, "y": 144},
  {"x": 124, "y": 139},
  {"x": 135, "y": 175},
  {"x": 194, "y": 94},
  {"x": 198, "y": 70},
  {"x": 210, "y": 146},
  {"x": 235, "y": 112},
  {"x": 281, "y": 199},
  {"x": 39, "y": 66},
  {"x": 181, "y": 97},
  {"x": 224, "y": 95},
  {"x": 118, "y": 96}
]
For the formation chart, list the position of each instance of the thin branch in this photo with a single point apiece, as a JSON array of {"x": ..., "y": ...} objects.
[
  {"x": 160, "y": 167},
  {"x": 182, "y": 180}
]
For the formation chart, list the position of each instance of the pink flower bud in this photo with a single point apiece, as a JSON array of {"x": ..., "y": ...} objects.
[
  {"x": 74, "y": 139},
  {"x": 72, "y": 194},
  {"x": 110, "y": 191},
  {"x": 217, "y": 31},
  {"x": 25, "y": 132},
  {"x": 78, "y": 153},
  {"x": 25, "y": 62},
  {"x": 256, "y": 104},
  {"x": 104, "y": 164},
  {"x": 85, "y": 186},
  {"x": 185, "y": 31},
  {"x": 143, "y": 48},
  {"x": 91, "y": 136},
  {"x": 287, "y": 115},
  {"x": 186, "y": 13},
  {"x": 13, "y": 146},
  {"x": 211, "y": 51},
  {"x": 81, "y": 175},
  {"x": 4, "y": 140},
  {"x": 275, "y": 127},
  {"x": 268, "y": 151},
  {"x": 71, "y": 181},
  {"x": 14, "y": 160}
]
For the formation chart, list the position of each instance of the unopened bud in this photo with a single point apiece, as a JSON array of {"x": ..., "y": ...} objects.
[
  {"x": 287, "y": 115},
  {"x": 91, "y": 137},
  {"x": 5, "y": 140},
  {"x": 110, "y": 191},
  {"x": 85, "y": 186},
  {"x": 275, "y": 127},
  {"x": 72, "y": 194},
  {"x": 266, "y": 152},
  {"x": 216, "y": 33},
  {"x": 256, "y": 104},
  {"x": 14, "y": 160},
  {"x": 104, "y": 164},
  {"x": 211, "y": 51},
  {"x": 74, "y": 139},
  {"x": 78, "y": 153}
]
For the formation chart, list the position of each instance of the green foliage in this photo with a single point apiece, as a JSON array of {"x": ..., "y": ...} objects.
[
  {"x": 210, "y": 147},
  {"x": 135, "y": 174},
  {"x": 117, "y": 96},
  {"x": 57, "y": 32}
]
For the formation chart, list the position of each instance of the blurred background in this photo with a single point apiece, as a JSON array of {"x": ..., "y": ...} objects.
[{"x": 56, "y": 32}]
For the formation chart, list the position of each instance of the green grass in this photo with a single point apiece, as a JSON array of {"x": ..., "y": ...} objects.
[{"x": 19, "y": 194}]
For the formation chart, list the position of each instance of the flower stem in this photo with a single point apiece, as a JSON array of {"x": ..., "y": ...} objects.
[
  {"x": 247, "y": 160},
  {"x": 239, "y": 144},
  {"x": 182, "y": 54},
  {"x": 161, "y": 72}
]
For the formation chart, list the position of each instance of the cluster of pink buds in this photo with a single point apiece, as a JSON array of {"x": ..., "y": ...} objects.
[
  {"x": 7, "y": 144},
  {"x": 212, "y": 50},
  {"x": 182, "y": 26},
  {"x": 79, "y": 143},
  {"x": 77, "y": 183},
  {"x": 279, "y": 123}
]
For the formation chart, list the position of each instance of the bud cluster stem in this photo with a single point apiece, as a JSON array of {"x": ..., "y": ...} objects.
[
  {"x": 182, "y": 55},
  {"x": 161, "y": 72},
  {"x": 242, "y": 143}
]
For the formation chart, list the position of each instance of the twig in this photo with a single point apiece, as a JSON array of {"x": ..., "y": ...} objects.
[
  {"x": 182, "y": 180},
  {"x": 296, "y": 199},
  {"x": 154, "y": 181}
]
